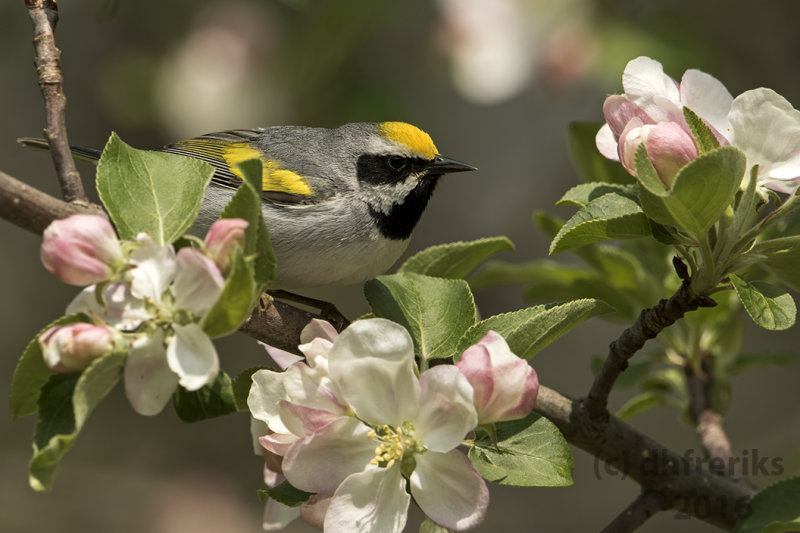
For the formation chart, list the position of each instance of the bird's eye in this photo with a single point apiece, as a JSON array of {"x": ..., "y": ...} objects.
[{"x": 397, "y": 162}]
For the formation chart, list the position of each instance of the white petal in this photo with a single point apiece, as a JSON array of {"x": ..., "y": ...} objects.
[
  {"x": 449, "y": 490},
  {"x": 122, "y": 310},
  {"x": 311, "y": 387},
  {"x": 446, "y": 413},
  {"x": 282, "y": 358},
  {"x": 373, "y": 501},
  {"x": 320, "y": 462},
  {"x": 707, "y": 97},
  {"x": 372, "y": 361},
  {"x": 318, "y": 329},
  {"x": 606, "y": 143},
  {"x": 149, "y": 382},
  {"x": 198, "y": 281},
  {"x": 766, "y": 127},
  {"x": 192, "y": 356},
  {"x": 262, "y": 400},
  {"x": 258, "y": 428},
  {"x": 154, "y": 268},
  {"x": 644, "y": 80},
  {"x": 278, "y": 516}
]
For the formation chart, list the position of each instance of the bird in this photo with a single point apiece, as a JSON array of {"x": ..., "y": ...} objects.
[{"x": 340, "y": 204}]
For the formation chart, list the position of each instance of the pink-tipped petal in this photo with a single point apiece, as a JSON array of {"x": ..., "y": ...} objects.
[{"x": 670, "y": 148}]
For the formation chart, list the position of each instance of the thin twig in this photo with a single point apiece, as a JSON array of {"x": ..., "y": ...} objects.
[
  {"x": 649, "y": 324},
  {"x": 685, "y": 485},
  {"x": 44, "y": 15},
  {"x": 637, "y": 513},
  {"x": 708, "y": 423}
]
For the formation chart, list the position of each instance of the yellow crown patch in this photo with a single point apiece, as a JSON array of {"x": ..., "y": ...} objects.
[{"x": 409, "y": 136}]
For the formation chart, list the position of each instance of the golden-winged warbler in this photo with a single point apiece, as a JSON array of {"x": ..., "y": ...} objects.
[{"x": 340, "y": 204}]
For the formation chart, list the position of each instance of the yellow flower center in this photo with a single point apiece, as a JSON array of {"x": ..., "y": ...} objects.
[{"x": 395, "y": 445}]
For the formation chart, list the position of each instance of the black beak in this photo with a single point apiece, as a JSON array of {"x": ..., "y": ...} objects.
[{"x": 444, "y": 165}]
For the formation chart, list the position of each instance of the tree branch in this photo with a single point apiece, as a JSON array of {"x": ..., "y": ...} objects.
[
  {"x": 637, "y": 513},
  {"x": 708, "y": 422},
  {"x": 684, "y": 485},
  {"x": 44, "y": 15},
  {"x": 647, "y": 326}
]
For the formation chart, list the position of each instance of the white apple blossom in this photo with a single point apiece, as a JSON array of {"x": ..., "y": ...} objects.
[{"x": 358, "y": 426}]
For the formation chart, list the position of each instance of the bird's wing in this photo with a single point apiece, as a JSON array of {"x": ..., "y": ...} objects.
[{"x": 225, "y": 149}]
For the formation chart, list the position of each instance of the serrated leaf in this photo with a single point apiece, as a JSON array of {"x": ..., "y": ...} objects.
[
  {"x": 611, "y": 216},
  {"x": 454, "y": 260},
  {"x": 582, "y": 194},
  {"x": 286, "y": 494},
  {"x": 31, "y": 372},
  {"x": 549, "y": 224},
  {"x": 768, "y": 305},
  {"x": 701, "y": 192},
  {"x": 641, "y": 403},
  {"x": 148, "y": 191},
  {"x": 529, "y": 452},
  {"x": 529, "y": 330},
  {"x": 704, "y": 139},
  {"x": 235, "y": 302},
  {"x": 590, "y": 164},
  {"x": 774, "y": 509},
  {"x": 241, "y": 386},
  {"x": 246, "y": 204},
  {"x": 435, "y": 311},
  {"x": 213, "y": 400},
  {"x": 64, "y": 406}
]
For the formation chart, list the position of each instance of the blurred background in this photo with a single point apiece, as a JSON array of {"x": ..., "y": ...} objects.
[{"x": 495, "y": 83}]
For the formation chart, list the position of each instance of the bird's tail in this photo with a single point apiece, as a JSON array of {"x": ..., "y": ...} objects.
[{"x": 81, "y": 152}]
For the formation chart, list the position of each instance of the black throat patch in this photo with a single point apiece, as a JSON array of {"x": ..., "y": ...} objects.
[{"x": 401, "y": 219}]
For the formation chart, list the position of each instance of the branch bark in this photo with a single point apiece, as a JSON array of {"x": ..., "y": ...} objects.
[
  {"x": 649, "y": 324},
  {"x": 44, "y": 15},
  {"x": 684, "y": 485},
  {"x": 708, "y": 422},
  {"x": 637, "y": 513}
]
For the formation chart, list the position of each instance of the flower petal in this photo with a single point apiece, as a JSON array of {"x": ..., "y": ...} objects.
[
  {"x": 618, "y": 112},
  {"x": 282, "y": 358},
  {"x": 644, "y": 80},
  {"x": 707, "y": 97},
  {"x": 449, "y": 490},
  {"x": 446, "y": 413},
  {"x": 277, "y": 515},
  {"x": 766, "y": 127},
  {"x": 312, "y": 387},
  {"x": 154, "y": 268},
  {"x": 372, "y": 501},
  {"x": 318, "y": 329},
  {"x": 149, "y": 382},
  {"x": 606, "y": 144},
  {"x": 669, "y": 148},
  {"x": 198, "y": 281},
  {"x": 265, "y": 393},
  {"x": 372, "y": 361},
  {"x": 192, "y": 356}
]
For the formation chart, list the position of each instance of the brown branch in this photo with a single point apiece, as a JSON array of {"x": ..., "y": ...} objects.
[
  {"x": 684, "y": 485},
  {"x": 637, "y": 513},
  {"x": 44, "y": 15},
  {"x": 708, "y": 422},
  {"x": 649, "y": 324}
]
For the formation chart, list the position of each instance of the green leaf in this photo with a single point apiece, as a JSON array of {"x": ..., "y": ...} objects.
[
  {"x": 286, "y": 494},
  {"x": 582, "y": 194},
  {"x": 701, "y": 192},
  {"x": 529, "y": 330},
  {"x": 782, "y": 263},
  {"x": 246, "y": 204},
  {"x": 769, "y": 306},
  {"x": 32, "y": 372},
  {"x": 549, "y": 224},
  {"x": 64, "y": 405},
  {"x": 530, "y": 452},
  {"x": 774, "y": 509},
  {"x": 611, "y": 216},
  {"x": 215, "y": 399},
  {"x": 435, "y": 311},
  {"x": 235, "y": 302},
  {"x": 646, "y": 173},
  {"x": 241, "y": 386},
  {"x": 704, "y": 139},
  {"x": 454, "y": 260},
  {"x": 589, "y": 162},
  {"x": 641, "y": 403},
  {"x": 148, "y": 191}
]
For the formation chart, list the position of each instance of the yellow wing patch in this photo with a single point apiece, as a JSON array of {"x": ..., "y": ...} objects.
[
  {"x": 273, "y": 178},
  {"x": 409, "y": 136}
]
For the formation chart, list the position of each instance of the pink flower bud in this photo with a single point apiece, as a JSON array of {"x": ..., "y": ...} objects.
[
  {"x": 224, "y": 237},
  {"x": 505, "y": 386},
  {"x": 80, "y": 249},
  {"x": 73, "y": 347}
]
